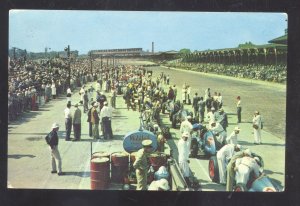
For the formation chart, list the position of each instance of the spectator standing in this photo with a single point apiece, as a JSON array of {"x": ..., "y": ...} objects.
[
  {"x": 52, "y": 141},
  {"x": 53, "y": 90},
  {"x": 95, "y": 121},
  {"x": 69, "y": 94},
  {"x": 77, "y": 123},
  {"x": 85, "y": 102},
  {"x": 239, "y": 109},
  {"x": 257, "y": 126},
  {"x": 195, "y": 105},
  {"x": 105, "y": 118},
  {"x": 68, "y": 121},
  {"x": 201, "y": 104}
]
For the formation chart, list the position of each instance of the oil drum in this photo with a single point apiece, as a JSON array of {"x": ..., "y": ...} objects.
[
  {"x": 119, "y": 166},
  {"x": 157, "y": 160},
  {"x": 101, "y": 154},
  {"x": 99, "y": 169}
]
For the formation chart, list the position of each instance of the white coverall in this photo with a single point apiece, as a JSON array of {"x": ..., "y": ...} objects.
[
  {"x": 245, "y": 166},
  {"x": 223, "y": 156},
  {"x": 219, "y": 132},
  {"x": 257, "y": 132},
  {"x": 183, "y": 156},
  {"x": 186, "y": 126}
]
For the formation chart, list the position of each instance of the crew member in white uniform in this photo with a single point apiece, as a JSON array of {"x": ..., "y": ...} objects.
[
  {"x": 223, "y": 157},
  {"x": 244, "y": 166},
  {"x": 183, "y": 155},
  {"x": 233, "y": 137},
  {"x": 217, "y": 129},
  {"x": 186, "y": 126},
  {"x": 257, "y": 132}
]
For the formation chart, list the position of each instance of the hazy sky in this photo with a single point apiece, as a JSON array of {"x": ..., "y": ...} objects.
[{"x": 87, "y": 30}]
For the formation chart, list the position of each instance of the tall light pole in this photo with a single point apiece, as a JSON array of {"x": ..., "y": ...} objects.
[
  {"x": 67, "y": 49},
  {"x": 91, "y": 59}
]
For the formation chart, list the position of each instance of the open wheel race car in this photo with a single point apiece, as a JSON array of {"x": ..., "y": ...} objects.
[{"x": 259, "y": 184}]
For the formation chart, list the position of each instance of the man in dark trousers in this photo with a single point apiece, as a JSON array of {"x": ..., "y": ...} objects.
[
  {"x": 68, "y": 121},
  {"x": 105, "y": 118},
  {"x": 85, "y": 102},
  {"x": 77, "y": 123},
  {"x": 195, "y": 105},
  {"x": 201, "y": 105},
  {"x": 89, "y": 119},
  {"x": 221, "y": 117},
  {"x": 52, "y": 141}
]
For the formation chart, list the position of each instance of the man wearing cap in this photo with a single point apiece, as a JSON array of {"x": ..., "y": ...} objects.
[
  {"x": 257, "y": 121},
  {"x": 105, "y": 120},
  {"x": 77, "y": 123},
  {"x": 231, "y": 168},
  {"x": 141, "y": 165},
  {"x": 233, "y": 137},
  {"x": 183, "y": 155},
  {"x": 244, "y": 166},
  {"x": 223, "y": 157},
  {"x": 52, "y": 141},
  {"x": 159, "y": 185},
  {"x": 95, "y": 121},
  {"x": 186, "y": 126},
  {"x": 221, "y": 117},
  {"x": 211, "y": 115},
  {"x": 218, "y": 131},
  {"x": 68, "y": 121}
]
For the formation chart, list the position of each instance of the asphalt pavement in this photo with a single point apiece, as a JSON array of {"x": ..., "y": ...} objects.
[{"x": 29, "y": 156}]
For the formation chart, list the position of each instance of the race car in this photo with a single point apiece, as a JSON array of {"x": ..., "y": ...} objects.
[
  {"x": 202, "y": 143},
  {"x": 255, "y": 184}
]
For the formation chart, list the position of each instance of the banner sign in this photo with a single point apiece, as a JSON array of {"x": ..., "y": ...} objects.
[{"x": 133, "y": 140}]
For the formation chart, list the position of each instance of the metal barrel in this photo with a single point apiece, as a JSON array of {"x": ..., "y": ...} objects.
[
  {"x": 119, "y": 166},
  {"x": 100, "y": 154},
  {"x": 157, "y": 160},
  {"x": 99, "y": 170}
]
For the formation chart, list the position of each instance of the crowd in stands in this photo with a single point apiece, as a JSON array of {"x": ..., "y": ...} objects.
[
  {"x": 34, "y": 83},
  {"x": 272, "y": 73}
]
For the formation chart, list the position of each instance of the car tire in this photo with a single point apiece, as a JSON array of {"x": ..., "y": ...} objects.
[
  {"x": 213, "y": 169},
  {"x": 240, "y": 188}
]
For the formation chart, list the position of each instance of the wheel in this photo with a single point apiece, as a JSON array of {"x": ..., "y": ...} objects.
[
  {"x": 174, "y": 122},
  {"x": 240, "y": 188},
  {"x": 213, "y": 169}
]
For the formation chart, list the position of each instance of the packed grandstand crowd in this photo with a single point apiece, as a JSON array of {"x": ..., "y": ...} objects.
[{"x": 272, "y": 73}]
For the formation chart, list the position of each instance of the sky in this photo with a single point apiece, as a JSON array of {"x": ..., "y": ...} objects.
[{"x": 34, "y": 30}]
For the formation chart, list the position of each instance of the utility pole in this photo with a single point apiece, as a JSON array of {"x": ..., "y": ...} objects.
[
  {"x": 91, "y": 59},
  {"x": 67, "y": 49},
  {"x": 14, "y": 52}
]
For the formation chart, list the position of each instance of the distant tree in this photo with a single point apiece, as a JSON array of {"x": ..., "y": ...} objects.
[{"x": 185, "y": 51}]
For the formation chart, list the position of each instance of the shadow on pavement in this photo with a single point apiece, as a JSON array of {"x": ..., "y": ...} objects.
[
  {"x": 19, "y": 156},
  {"x": 269, "y": 172},
  {"x": 263, "y": 144},
  {"x": 208, "y": 185},
  {"x": 79, "y": 174}
]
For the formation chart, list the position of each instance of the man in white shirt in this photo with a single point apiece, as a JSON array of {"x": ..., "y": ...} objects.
[
  {"x": 223, "y": 157},
  {"x": 211, "y": 116},
  {"x": 69, "y": 94},
  {"x": 183, "y": 155},
  {"x": 105, "y": 120},
  {"x": 81, "y": 92},
  {"x": 244, "y": 166},
  {"x": 257, "y": 131},
  {"x": 68, "y": 121},
  {"x": 218, "y": 131},
  {"x": 186, "y": 126},
  {"x": 233, "y": 137}
]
